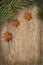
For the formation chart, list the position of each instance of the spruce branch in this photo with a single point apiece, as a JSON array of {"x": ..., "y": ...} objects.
[
  {"x": 7, "y": 11},
  {"x": 10, "y": 7}
]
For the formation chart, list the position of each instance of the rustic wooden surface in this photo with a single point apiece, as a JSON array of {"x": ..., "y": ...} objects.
[
  {"x": 41, "y": 44},
  {"x": 24, "y": 49}
]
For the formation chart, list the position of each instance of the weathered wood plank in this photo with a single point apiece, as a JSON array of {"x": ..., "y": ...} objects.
[{"x": 24, "y": 47}]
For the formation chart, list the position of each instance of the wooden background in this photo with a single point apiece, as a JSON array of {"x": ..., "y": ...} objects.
[{"x": 24, "y": 49}]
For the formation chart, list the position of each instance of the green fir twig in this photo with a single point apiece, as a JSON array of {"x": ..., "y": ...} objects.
[{"x": 7, "y": 11}]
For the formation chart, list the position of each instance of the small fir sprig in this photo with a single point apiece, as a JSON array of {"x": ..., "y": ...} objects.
[{"x": 7, "y": 10}]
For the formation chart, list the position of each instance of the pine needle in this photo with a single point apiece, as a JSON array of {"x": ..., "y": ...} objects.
[{"x": 5, "y": 9}]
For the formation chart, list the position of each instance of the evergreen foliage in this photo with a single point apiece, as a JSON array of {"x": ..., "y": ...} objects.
[{"x": 8, "y": 8}]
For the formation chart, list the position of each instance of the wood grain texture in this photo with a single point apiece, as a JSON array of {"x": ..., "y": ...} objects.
[{"x": 24, "y": 47}]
